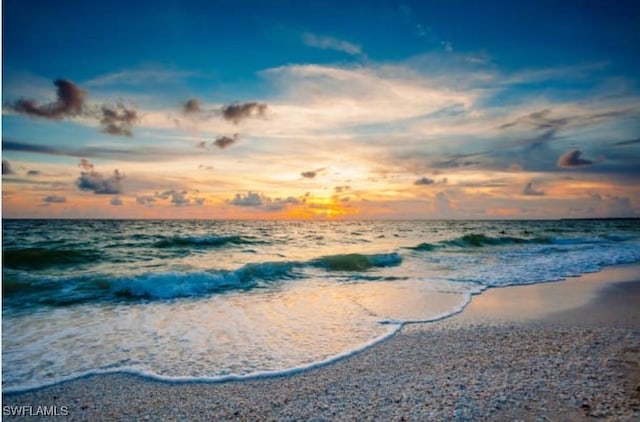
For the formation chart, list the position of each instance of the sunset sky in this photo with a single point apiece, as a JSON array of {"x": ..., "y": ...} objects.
[{"x": 327, "y": 109}]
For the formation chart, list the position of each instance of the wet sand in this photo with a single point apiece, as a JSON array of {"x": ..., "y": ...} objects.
[{"x": 557, "y": 351}]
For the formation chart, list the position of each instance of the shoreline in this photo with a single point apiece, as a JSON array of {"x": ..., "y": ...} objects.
[{"x": 445, "y": 369}]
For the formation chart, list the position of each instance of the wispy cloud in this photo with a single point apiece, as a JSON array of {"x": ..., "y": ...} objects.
[
  {"x": 330, "y": 43},
  {"x": 138, "y": 76},
  {"x": 54, "y": 199}
]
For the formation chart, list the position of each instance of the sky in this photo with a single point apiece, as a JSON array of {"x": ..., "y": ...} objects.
[{"x": 321, "y": 110}]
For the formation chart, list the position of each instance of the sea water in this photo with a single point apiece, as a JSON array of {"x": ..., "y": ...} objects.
[{"x": 214, "y": 300}]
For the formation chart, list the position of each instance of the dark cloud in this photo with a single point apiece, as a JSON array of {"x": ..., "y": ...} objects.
[
  {"x": 92, "y": 180},
  {"x": 311, "y": 173},
  {"x": 251, "y": 199},
  {"x": 54, "y": 199},
  {"x": 6, "y": 168},
  {"x": 278, "y": 204},
  {"x": 202, "y": 144},
  {"x": 178, "y": 198},
  {"x": 118, "y": 119},
  {"x": 340, "y": 189},
  {"x": 548, "y": 121},
  {"x": 530, "y": 190},
  {"x": 145, "y": 200},
  {"x": 424, "y": 181},
  {"x": 457, "y": 160},
  {"x": 116, "y": 201},
  {"x": 572, "y": 159},
  {"x": 539, "y": 120},
  {"x": 192, "y": 106},
  {"x": 258, "y": 200},
  {"x": 629, "y": 142},
  {"x": 33, "y": 172},
  {"x": 70, "y": 102},
  {"x": 224, "y": 141},
  {"x": 9, "y": 145},
  {"x": 240, "y": 111},
  {"x": 133, "y": 153}
]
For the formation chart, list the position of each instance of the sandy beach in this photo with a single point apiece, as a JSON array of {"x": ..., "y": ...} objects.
[{"x": 556, "y": 351}]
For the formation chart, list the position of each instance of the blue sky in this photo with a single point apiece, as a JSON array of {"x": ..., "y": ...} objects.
[{"x": 376, "y": 109}]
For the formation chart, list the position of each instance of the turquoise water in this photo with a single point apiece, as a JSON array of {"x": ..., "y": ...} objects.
[{"x": 211, "y": 300}]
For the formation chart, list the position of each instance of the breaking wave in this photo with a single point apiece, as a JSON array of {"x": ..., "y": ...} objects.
[{"x": 202, "y": 241}]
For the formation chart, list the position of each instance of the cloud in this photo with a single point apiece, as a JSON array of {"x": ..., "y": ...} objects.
[
  {"x": 311, "y": 173},
  {"x": 330, "y": 43},
  {"x": 538, "y": 120},
  {"x": 424, "y": 181},
  {"x": 54, "y": 199},
  {"x": 530, "y": 190},
  {"x": 33, "y": 172},
  {"x": 192, "y": 106},
  {"x": 457, "y": 160},
  {"x": 240, "y": 111},
  {"x": 251, "y": 199},
  {"x": 137, "y": 77},
  {"x": 550, "y": 120},
  {"x": 135, "y": 153},
  {"x": 115, "y": 119},
  {"x": 91, "y": 180},
  {"x": 572, "y": 159},
  {"x": 258, "y": 200},
  {"x": 70, "y": 102},
  {"x": 118, "y": 119},
  {"x": 223, "y": 142},
  {"x": 629, "y": 142},
  {"x": 9, "y": 145},
  {"x": 178, "y": 198},
  {"x": 147, "y": 200},
  {"x": 6, "y": 168},
  {"x": 116, "y": 201}
]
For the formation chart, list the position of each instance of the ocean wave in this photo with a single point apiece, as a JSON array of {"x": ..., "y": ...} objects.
[
  {"x": 479, "y": 240},
  {"x": 357, "y": 262},
  {"x": 43, "y": 258},
  {"x": 25, "y": 288},
  {"x": 202, "y": 241}
]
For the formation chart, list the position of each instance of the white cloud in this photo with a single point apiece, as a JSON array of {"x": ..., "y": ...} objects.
[{"x": 330, "y": 43}]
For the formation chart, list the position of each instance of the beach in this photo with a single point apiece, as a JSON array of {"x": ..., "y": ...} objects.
[{"x": 567, "y": 350}]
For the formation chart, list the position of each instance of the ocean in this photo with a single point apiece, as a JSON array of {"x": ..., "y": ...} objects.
[{"x": 217, "y": 300}]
